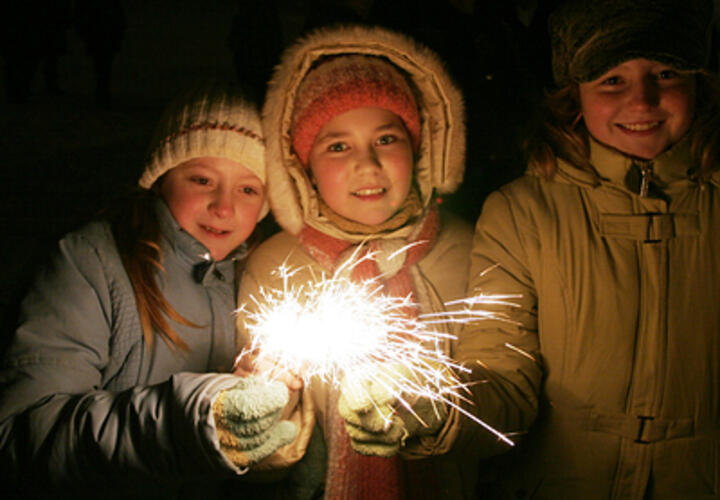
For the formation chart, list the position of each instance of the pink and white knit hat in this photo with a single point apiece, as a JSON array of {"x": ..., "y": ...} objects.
[{"x": 345, "y": 83}]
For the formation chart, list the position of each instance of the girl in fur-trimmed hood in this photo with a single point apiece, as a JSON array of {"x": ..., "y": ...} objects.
[{"x": 364, "y": 130}]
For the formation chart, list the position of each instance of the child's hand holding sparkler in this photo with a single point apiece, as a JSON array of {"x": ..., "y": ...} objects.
[
  {"x": 247, "y": 420},
  {"x": 393, "y": 404}
]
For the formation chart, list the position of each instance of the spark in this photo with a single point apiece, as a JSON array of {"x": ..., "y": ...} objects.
[
  {"x": 521, "y": 351},
  {"x": 333, "y": 328}
]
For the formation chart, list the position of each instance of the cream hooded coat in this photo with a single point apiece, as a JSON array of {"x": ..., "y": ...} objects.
[
  {"x": 439, "y": 277},
  {"x": 615, "y": 345}
]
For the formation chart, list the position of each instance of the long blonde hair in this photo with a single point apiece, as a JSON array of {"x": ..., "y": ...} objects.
[{"x": 559, "y": 131}]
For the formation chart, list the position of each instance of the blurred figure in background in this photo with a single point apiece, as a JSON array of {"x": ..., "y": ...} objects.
[{"x": 101, "y": 27}]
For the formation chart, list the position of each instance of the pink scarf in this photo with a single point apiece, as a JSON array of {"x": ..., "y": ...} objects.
[{"x": 350, "y": 475}]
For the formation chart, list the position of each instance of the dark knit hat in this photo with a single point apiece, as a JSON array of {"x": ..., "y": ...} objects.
[
  {"x": 590, "y": 37},
  {"x": 345, "y": 83}
]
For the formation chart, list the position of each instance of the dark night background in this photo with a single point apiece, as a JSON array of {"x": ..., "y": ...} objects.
[{"x": 68, "y": 147}]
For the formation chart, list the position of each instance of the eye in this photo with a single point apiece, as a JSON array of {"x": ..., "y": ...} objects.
[
  {"x": 249, "y": 190},
  {"x": 668, "y": 74},
  {"x": 387, "y": 139},
  {"x": 611, "y": 80},
  {"x": 337, "y": 147},
  {"x": 198, "y": 179}
]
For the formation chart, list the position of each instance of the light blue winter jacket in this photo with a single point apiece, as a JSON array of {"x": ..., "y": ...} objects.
[{"x": 85, "y": 407}]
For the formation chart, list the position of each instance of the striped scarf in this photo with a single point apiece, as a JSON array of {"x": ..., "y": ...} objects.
[{"x": 350, "y": 475}]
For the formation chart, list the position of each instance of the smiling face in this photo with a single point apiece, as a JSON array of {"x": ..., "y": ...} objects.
[
  {"x": 362, "y": 164},
  {"x": 639, "y": 107},
  {"x": 216, "y": 200}
]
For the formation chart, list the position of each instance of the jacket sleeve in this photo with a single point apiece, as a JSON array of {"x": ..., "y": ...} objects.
[
  {"x": 58, "y": 425},
  {"x": 501, "y": 352}
]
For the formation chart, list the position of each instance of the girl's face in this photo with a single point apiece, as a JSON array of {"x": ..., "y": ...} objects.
[
  {"x": 362, "y": 163},
  {"x": 216, "y": 200},
  {"x": 639, "y": 107}
]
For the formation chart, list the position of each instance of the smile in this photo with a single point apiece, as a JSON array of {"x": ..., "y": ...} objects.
[
  {"x": 639, "y": 127},
  {"x": 213, "y": 230},
  {"x": 369, "y": 192}
]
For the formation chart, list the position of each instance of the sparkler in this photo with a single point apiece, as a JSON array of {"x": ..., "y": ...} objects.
[{"x": 334, "y": 328}]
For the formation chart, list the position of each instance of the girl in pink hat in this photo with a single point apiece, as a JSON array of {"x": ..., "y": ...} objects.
[{"x": 364, "y": 131}]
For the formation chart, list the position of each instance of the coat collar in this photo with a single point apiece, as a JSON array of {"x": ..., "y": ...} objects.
[
  {"x": 672, "y": 168},
  {"x": 192, "y": 252}
]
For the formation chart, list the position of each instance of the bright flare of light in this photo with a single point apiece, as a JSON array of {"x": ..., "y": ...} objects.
[{"x": 334, "y": 328}]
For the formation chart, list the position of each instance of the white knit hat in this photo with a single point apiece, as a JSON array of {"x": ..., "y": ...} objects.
[{"x": 213, "y": 119}]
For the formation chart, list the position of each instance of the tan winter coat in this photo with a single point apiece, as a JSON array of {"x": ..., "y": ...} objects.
[
  {"x": 441, "y": 275},
  {"x": 616, "y": 343}
]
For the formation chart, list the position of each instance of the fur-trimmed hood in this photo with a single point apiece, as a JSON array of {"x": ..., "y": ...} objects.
[{"x": 441, "y": 160}]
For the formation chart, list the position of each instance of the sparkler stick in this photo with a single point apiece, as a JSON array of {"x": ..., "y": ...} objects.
[{"x": 334, "y": 328}]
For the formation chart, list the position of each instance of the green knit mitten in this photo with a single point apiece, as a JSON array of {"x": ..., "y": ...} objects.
[
  {"x": 247, "y": 420},
  {"x": 379, "y": 417}
]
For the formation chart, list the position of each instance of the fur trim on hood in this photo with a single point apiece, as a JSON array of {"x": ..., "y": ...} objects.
[{"x": 441, "y": 162}]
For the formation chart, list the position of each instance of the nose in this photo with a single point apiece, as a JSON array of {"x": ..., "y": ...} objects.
[
  {"x": 368, "y": 159},
  {"x": 644, "y": 94},
  {"x": 221, "y": 203}
]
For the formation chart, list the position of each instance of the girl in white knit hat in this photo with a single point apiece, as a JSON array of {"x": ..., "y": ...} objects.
[{"x": 111, "y": 380}]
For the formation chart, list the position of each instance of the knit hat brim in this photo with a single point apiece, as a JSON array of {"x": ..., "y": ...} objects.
[
  {"x": 615, "y": 48},
  {"x": 213, "y": 120},
  {"x": 589, "y": 37},
  {"x": 346, "y": 83}
]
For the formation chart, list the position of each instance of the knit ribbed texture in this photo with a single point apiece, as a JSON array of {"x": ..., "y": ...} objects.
[
  {"x": 590, "y": 37},
  {"x": 352, "y": 476},
  {"x": 346, "y": 83},
  {"x": 214, "y": 119}
]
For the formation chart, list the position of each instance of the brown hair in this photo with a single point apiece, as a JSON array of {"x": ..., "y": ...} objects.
[
  {"x": 558, "y": 131},
  {"x": 136, "y": 230},
  {"x": 137, "y": 237}
]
